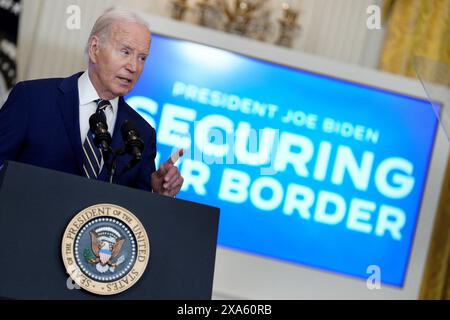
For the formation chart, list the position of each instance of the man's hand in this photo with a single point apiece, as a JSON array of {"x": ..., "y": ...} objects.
[{"x": 167, "y": 180}]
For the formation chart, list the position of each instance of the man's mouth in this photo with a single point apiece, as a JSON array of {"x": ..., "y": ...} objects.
[{"x": 124, "y": 81}]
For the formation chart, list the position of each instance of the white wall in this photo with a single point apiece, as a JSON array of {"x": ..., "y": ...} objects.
[{"x": 47, "y": 48}]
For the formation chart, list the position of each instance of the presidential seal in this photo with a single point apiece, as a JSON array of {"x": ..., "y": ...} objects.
[{"x": 105, "y": 249}]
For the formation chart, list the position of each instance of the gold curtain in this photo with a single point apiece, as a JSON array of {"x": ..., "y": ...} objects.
[
  {"x": 422, "y": 28},
  {"x": 416, "y": 28}
]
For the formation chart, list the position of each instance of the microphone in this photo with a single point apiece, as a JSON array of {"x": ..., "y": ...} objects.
[
  {"x": 133, "y": 143},
  {"x": 98, "y": 126}
]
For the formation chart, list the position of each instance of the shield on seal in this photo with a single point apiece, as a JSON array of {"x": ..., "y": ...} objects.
[{"x": 105, "y": 253}]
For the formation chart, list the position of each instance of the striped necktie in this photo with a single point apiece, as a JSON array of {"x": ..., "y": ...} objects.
[{"x": 92, "y": 156}]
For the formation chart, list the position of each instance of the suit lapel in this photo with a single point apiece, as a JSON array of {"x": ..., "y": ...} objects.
[
  {"x": 121, "y": 117},
  {"x": 68, "y": 103}
]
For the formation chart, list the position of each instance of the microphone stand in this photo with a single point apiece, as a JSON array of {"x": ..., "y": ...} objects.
[
  {"x": 112, "y": 172},
  {"x": 112, "y": 165},
  {"x": 130, "y": 164}
]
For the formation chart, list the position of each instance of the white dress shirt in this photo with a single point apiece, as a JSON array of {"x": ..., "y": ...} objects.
[{"x": 87, "y": 96}]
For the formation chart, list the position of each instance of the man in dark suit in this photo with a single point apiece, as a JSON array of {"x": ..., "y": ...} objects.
[{"x": 46, "y": 122}]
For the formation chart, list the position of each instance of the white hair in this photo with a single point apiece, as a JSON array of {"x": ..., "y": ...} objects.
[{"x": 104, "y": 24}]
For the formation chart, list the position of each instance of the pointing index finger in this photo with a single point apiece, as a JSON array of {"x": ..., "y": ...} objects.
[{"x": 175, "y": 156}]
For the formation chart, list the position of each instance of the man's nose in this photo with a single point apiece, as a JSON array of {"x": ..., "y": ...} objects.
[{"x": 132, "y": 65}]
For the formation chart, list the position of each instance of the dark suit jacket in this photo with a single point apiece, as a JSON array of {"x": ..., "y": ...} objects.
[{"x": 39, "y": 125}]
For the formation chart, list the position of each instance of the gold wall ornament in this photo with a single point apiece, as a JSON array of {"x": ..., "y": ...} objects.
[
  {"x": 242, "y": 14},
  {"x": 249, "y": 18},
  {"x": 289, "y": 27},
  {"x": 209, "y": 14},
  {"x": 179, "y": 8},
  {"x": 261, "y": 29}
]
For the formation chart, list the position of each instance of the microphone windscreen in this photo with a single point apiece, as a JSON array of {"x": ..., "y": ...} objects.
[
  {"x": 97, "y": 118},
  {"x": 128, "y": 126}
]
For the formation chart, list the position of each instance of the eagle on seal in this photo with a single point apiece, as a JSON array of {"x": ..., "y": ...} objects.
[{"x": 105, "y": 251}]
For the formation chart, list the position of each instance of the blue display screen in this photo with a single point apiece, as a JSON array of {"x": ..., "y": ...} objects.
[{"x": 305, "y": 168}]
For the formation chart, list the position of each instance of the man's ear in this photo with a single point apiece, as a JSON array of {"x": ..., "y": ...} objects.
[{"x": 93, "y": 49}]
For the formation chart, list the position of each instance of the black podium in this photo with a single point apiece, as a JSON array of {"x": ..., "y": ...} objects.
[{"x": 36, "y": 206}]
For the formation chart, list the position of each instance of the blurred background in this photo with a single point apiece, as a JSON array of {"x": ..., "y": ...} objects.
[{"x": 46, "y": 38}]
